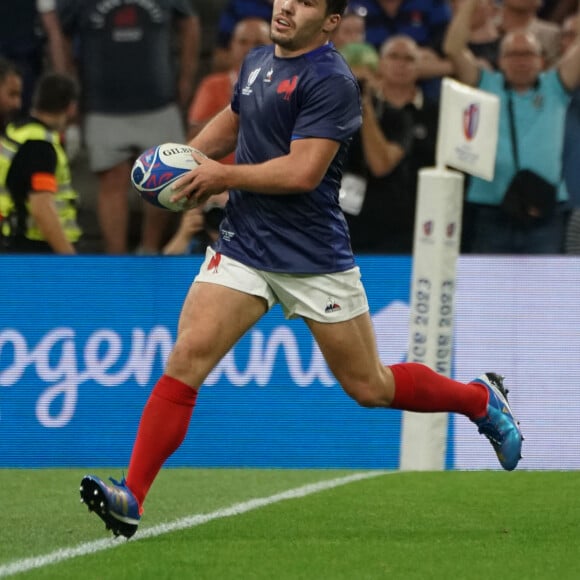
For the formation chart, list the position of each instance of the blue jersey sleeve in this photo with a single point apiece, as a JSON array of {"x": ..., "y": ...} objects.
[{"x": 324, "y": 114}]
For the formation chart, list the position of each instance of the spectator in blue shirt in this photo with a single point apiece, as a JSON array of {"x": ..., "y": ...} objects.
[{"x": 539, "y": 101}]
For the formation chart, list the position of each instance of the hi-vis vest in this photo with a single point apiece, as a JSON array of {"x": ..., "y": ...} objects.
[{"x": 65, "y": 198}]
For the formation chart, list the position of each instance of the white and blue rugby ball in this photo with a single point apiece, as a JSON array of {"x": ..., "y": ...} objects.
[{"x": 155, "y": 171}]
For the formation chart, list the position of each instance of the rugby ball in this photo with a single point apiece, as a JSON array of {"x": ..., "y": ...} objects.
[{"x": 155, "y": 171}]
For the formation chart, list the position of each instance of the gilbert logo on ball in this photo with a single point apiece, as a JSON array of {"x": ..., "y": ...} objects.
[{"x": 155, "y": 171}]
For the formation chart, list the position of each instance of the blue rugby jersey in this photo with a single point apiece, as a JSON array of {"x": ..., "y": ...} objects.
[{"x": 279, "y": 100}]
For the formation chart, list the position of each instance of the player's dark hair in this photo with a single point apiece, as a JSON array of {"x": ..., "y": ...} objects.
[
  {"x": 54, "y": 93},
  {"x": 7, "y": 68},
  {"x": 336, "y": 6}
]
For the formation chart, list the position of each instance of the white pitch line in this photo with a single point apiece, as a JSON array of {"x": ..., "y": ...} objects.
[{"x": 26, "y": 564}]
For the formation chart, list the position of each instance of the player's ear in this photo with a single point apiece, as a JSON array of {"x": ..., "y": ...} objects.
[{"x": 331, "y": 23}]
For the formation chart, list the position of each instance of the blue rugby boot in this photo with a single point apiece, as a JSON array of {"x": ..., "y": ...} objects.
[
  {"x": 114, "y": 504},
  {"x": 499, "y": 425}
]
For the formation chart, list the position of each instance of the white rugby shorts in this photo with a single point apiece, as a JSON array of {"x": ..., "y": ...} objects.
[{"x": 329, "y": 298}]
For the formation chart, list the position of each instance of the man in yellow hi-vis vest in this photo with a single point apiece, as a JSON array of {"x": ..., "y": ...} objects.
[{"x": 37, "y": 203}]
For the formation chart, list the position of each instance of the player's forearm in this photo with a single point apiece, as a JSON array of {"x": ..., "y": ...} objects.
[
  {"x": 276, "y": 176},
  {"x": 300, "y": 171},
  {"x": 219, "y": 136}
]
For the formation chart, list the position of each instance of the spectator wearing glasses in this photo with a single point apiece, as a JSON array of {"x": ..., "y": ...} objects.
[
  {"x": 538, "y": 102},
  {"x": 396, "y": 139}
]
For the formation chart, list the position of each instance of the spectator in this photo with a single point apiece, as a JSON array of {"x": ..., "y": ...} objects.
[
  {"x": 198, "y": 229},
  {"x": 425, "y": 21},
  {"x": 397, "y": 138},
  {"x": 363, "y": 60},
  {"x": 215, "y": 91},
  {"x": 484, "y": 35},
  {"x": 523, "y": 14},
  {"x": 233, "y": 12},
  {"x": 38, "y": 203},
  {"x": 571, "y": 167},
  {"x": 131, "y": 98},
  {"x": 10, "y": 91},
  {"x": 539, "y": 101},
  {"x": 350, "y": 30},
  {"x": 25, "y": 28}
]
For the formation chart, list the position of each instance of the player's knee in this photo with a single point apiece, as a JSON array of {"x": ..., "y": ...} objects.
[
  {"x": 366, "y": 395},
  {"x": 189, "y": 348}
]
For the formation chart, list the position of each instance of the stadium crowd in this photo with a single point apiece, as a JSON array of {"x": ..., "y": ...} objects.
[{"x": 157, "y": 71}]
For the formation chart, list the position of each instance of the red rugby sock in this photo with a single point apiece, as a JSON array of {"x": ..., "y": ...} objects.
[
  {"x": 163, "y": 427},
  {"x": 420, "y": 389}
]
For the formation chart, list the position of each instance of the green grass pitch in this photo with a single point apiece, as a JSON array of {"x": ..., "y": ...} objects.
[{"x": 448, "y": 525}]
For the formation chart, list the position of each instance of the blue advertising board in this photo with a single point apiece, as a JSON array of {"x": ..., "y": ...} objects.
[{"x": 83, "y": 341}]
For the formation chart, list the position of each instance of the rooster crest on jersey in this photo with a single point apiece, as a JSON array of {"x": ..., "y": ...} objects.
[{"x": 156, "y": 169}]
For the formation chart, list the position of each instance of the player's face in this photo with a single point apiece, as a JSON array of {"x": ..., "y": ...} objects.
[
  {"x": 299, "y": 26},
  {"x": 10, "y": 96}
]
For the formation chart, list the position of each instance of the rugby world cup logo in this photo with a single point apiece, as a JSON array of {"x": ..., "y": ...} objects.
[
  {"x": 247, "y": 90},
  {"x": 470, "y": 120}
]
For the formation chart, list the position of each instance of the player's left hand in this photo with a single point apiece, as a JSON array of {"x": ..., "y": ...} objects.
[{"x": 199, "y": 184}]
